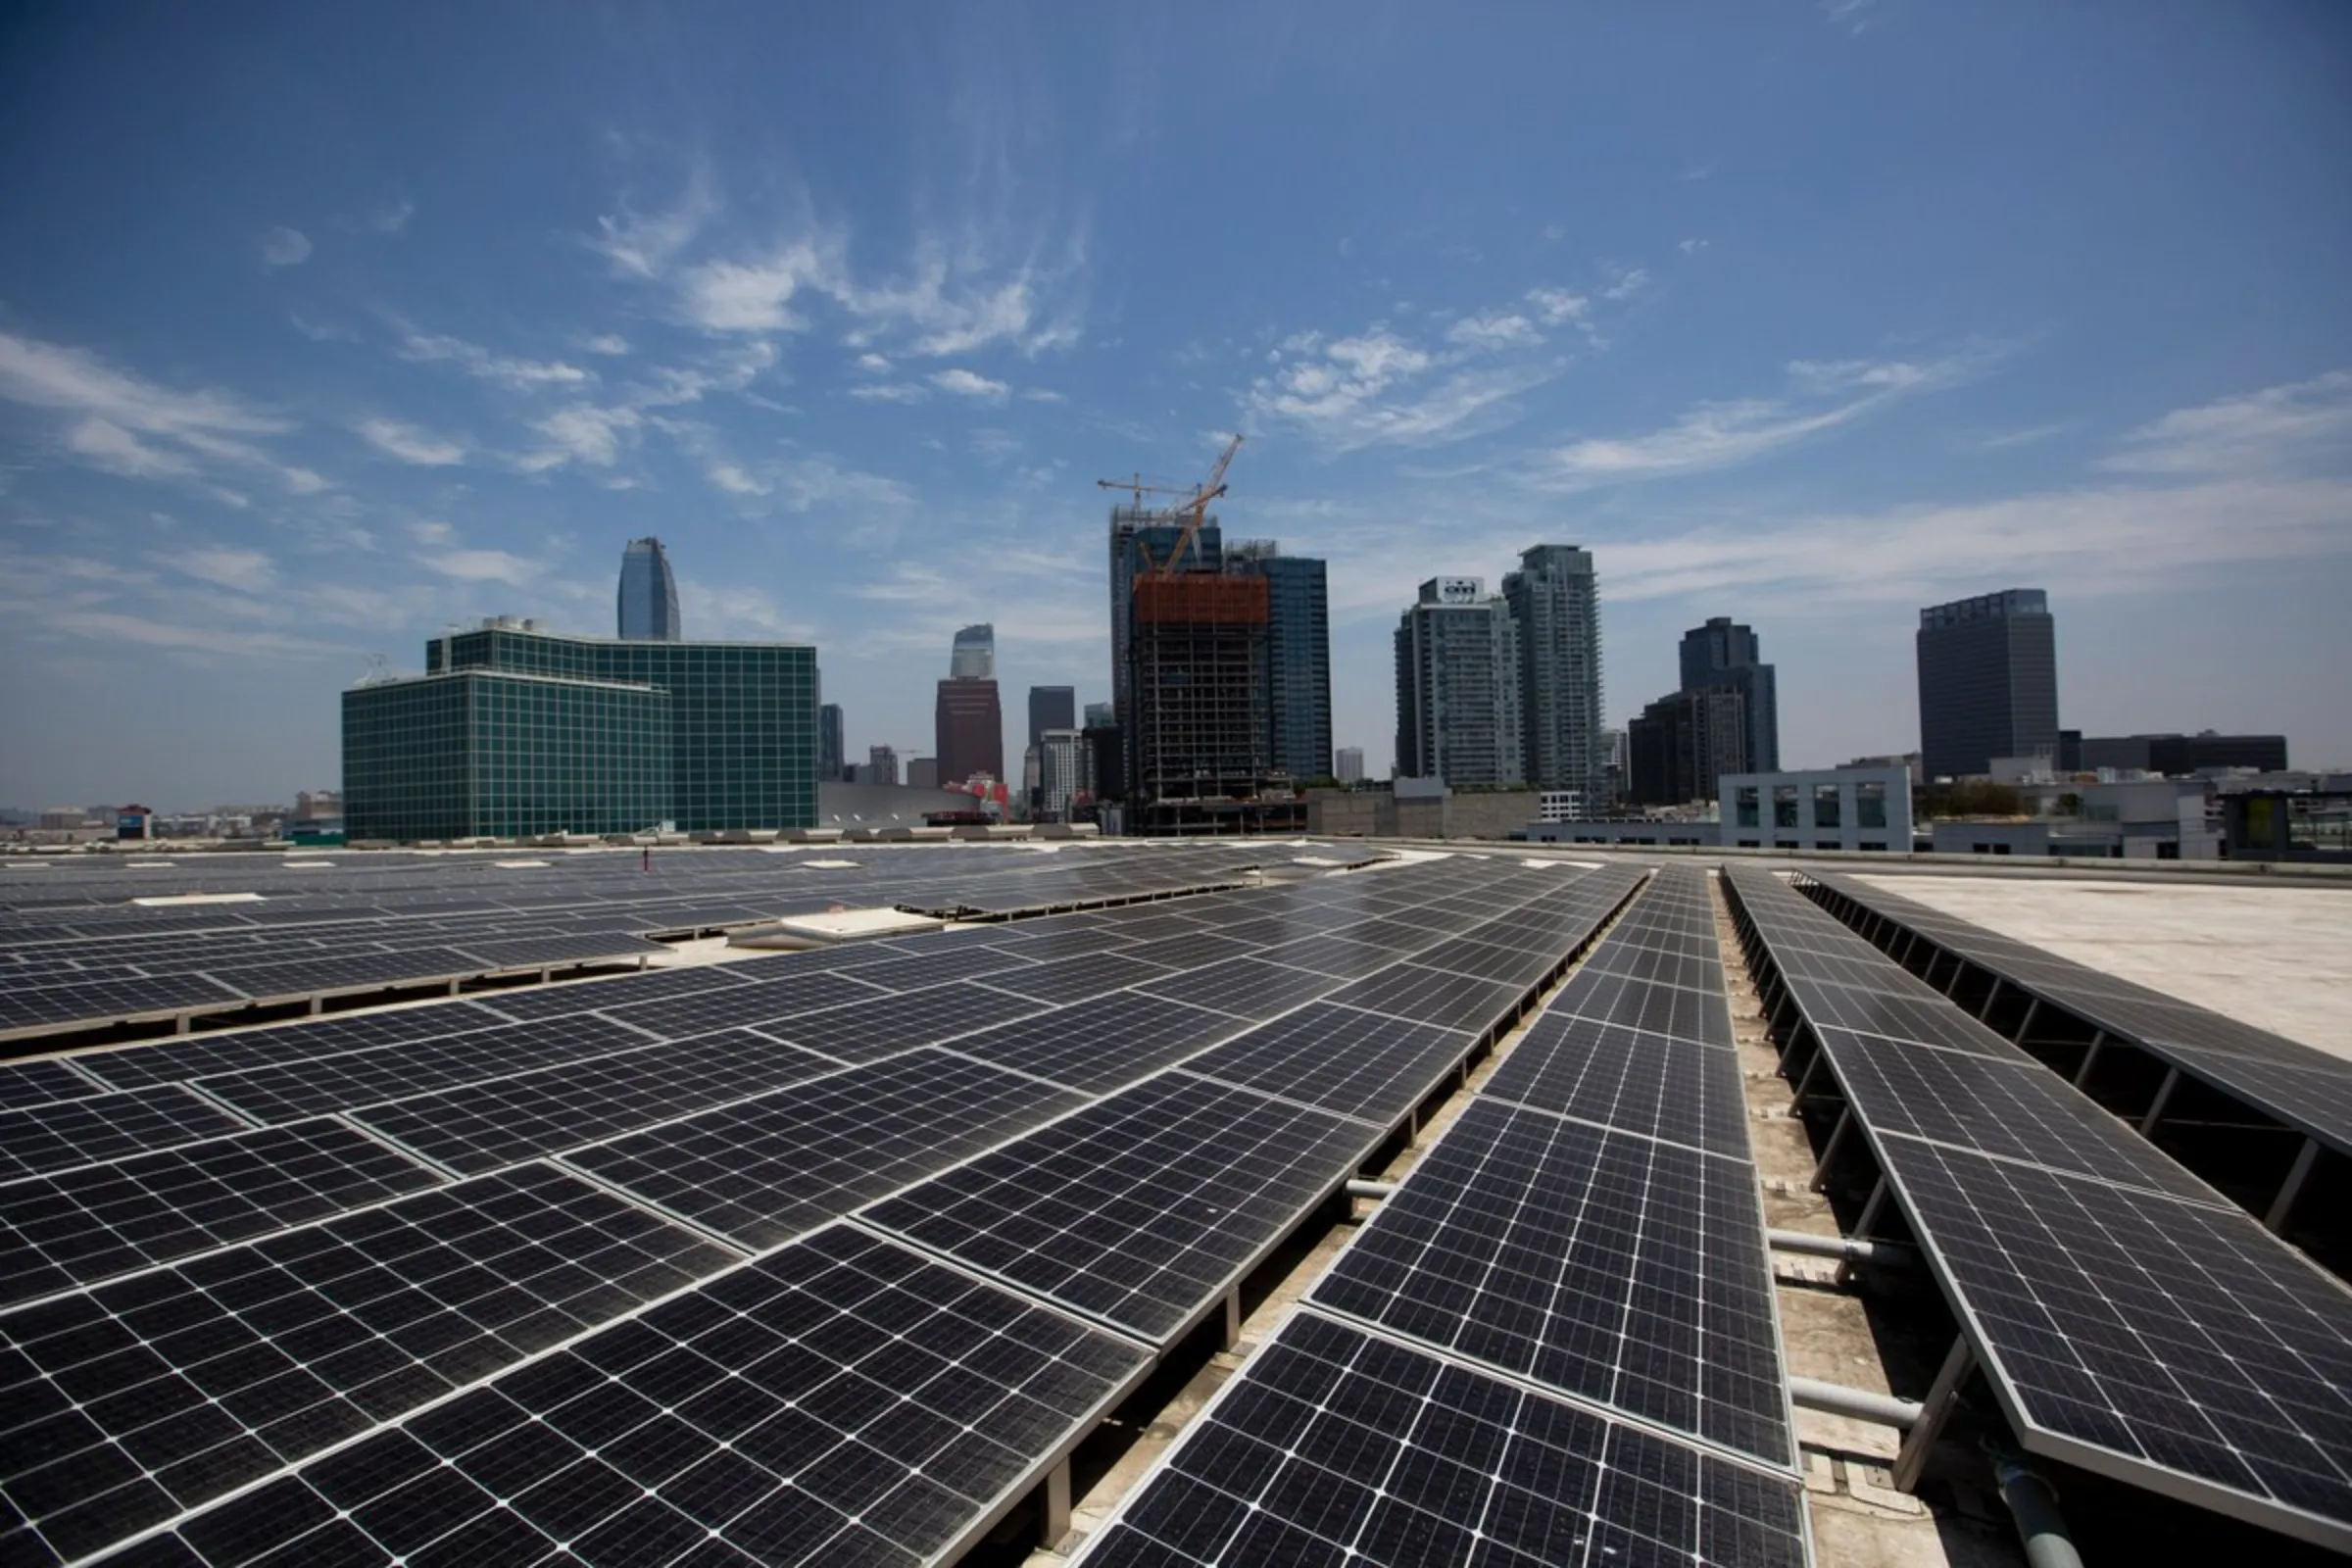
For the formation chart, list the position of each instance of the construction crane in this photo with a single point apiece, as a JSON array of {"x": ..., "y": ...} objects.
[{"x": 1192, "y": 511}]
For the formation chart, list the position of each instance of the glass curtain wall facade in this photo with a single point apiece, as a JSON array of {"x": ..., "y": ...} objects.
[
  {"x": 1556, "y": 599},
  {"x": 649, "y": 593},
  {"x": 1297, "y": 663},
  {"x": 741, "y": 724},
  {"x": 1987, "y": 681},
  {"x": 482, "y": 754}
]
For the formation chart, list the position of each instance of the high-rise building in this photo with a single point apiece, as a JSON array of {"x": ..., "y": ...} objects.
[
  {"x": 512, "y": 732},
  {"x": 969, "y": 729},
  {"x": 1297, "y": 660},
  {"x": 649, "y": 593},
  {"x": 1683, "y": 744},
  {"x": 829, "y": 757},
  {"x": 1106, "y": 753},
  {"x": 1100, "y": 716},
  {"x": 1052, "y": 708},
  {"x": 1457, "y": 687},
  {"x": 1200, "y": 683},
  {"x": 881, "y": 765},
  {"x": 1987, "y": 681},
  {"x": 1554, "y": 598},
  {"x": 1722, "y": 653},
  {"x": 974, "y": 655},
  {"x": 1138, "y": 542},
  {"x": 923, "y": 773},
  {"x": 1350, "y": 768},
  {"x": 1062, "y": 773}
]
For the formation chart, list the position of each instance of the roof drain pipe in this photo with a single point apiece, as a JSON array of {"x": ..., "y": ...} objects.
[
  {"x": 1883, "y": 1253},
  {"x": 1836, "y": 1399},
  {"x": 1370, "y": 1188},
  {"x": 2035, "y": 1504}
]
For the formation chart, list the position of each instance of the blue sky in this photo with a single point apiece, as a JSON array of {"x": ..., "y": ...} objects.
[{"x": 320, "y": 330}]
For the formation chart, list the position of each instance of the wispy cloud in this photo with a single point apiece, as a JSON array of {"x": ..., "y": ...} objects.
[
  {"x": 1379, "y": 387},
  {"x": 1691, "y": 247},
  {"x": 515, "y": 374},
  {"x": 1625, "y": 283},
  {"x": 609, "y": 343},
  {"x": 2302, "y": 423},
  {"x": 643, "y": 245},
  {"x": 889, "y": 392},
  {"x": 135, "y": 427},
  {"x": 583, "y": 433},
  {"x": 1494, "y": 329},
  {"x": 965, "y": 384},
  {"x": 1556, "y": 306},
  {"x": 245, "y": 570},
  {"x": 410, "y": 444},
  {"x": 286, "y": 247},
  {"x": 1821, "y": 396}
]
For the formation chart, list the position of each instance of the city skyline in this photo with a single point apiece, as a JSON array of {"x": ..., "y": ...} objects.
[{"x": 853, "y": 316}]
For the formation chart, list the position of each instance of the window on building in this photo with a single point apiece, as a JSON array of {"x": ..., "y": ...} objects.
[
  {"x": 1825, "y": 806},
  {"x": 1873, "y": 846},
  {"x": 1783, "y": 805},
  {"x": 1748, "y": 806},
  {"x": 1870, "y": 804},
  {"x": 1747, "y": 843},
  {"x": 1825, "y": 844}
]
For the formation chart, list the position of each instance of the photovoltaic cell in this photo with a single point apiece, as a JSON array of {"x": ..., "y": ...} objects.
[
  {"x": 1431, "y": 995},
  {"x": 41, "y": 1083},
  {"x": 1675, "y": 1090},
  {"x": 80, "y": 1132},
  {"x": 1247, "y": 988},
  {"x": 759, "y": 1002},
  {"x": 1334, "y": 1447},
  {"x": 1625, "y": 1271},
  {"x": 765, "y": 1170},
  {"x": 1100, "y": 1045},
  {"x": 1341, "y": 1059},
  {"x": 1074, "y": 979},
  {"x": 525, "y": 1004},
  {"x": 138, "y": 1400},
  {"x": 864, "y": 1031},
  {"x": 180, "y": 1061},
  {"x": 501, "y": 1121},
  {"x": 1138, "y": 1208},
  {"x": 95, "y": 1221}
]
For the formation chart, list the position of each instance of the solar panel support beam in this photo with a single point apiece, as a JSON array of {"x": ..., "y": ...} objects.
[
  {"x": 1933, "y": 1411},
  {"x": 2025, "y": 1025},
  {"x": 1990, "y": 996},
  {"x": 1233, "y": 1317},
  {"x": 2293, "y": 1187},
  {"x": 2090, "y": 1058},
  {"x": 1055, "y": 1523},
  {"x": 1804, "y": 1082},
  {"x": 1830, "y": 1149},
  {"x": 2164, "y": 1095}
]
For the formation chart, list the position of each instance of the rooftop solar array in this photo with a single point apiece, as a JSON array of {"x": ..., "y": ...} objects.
[
  {"x": 2129, "y": 1319},
  {"x": 667, "y": 1267},
  {"x": 2284, "y": 1078},
  {"x": 1555, "y": 1343},
  {"x": 78, "y": 951}
]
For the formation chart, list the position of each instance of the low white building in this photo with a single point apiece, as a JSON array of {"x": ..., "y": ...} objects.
[{"x": 1835, "y": 809}]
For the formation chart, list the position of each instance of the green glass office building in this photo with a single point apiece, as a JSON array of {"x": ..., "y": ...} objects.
[{"x": 514, "y": 733}]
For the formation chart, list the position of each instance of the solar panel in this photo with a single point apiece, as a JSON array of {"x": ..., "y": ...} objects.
[
  {"x": 1431, "y": 995},
  {"x": 1100, "y": 1045},
  {"x": 1073, "y": 979},
  {"x": 40, "y": 1083},
  {"x": 96, "y": 1222},
  {"x": 527, "y": 1003},
  {"x": 499, "y": 1122},
  {"x": 766, "y": 1169},
  {"x": 1656, "y": 1008},
  {"x": 1486, "y": 960},
  {"x": 953, "y": 960},
  {"x": 1660, "y": 1087},
  {"x": 1334, "y": 956},
  {"x": 864, "y": 1031},
  {"x": 182, "y": 1059},
  {"x": 291, "y": 1091},
  {"x": 79, "y": 1132},
  {"x": 300, "y": 977},
  {"x": 96, "y": 1000},
  {"x": 1246, "y": 988},
  {"x": 2171, "y": 1336},
  {"x": 1332, "y": 1447},
  {"x": 515, "y": 953},
  {"x": 160, "y": 1393},
  {"x": 763, "y": 1000},
  {"x": 1623, "y": 1270},
  {"x": 1140, "y": 1208},
  {"x": 2019, "y": 1110},
  {"x": 1341, "y": 1059}
]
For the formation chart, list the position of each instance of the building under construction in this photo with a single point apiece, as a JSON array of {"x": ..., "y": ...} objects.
[{"x": 1203, "y": 732}]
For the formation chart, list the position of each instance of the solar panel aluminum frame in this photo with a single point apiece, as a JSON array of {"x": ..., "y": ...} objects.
[
  {"x": 2147, "y": 1475},
  {"x": 1164, "y": 1461}
]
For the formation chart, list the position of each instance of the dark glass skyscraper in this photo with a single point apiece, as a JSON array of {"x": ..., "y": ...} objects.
[
  {"x": 1724, "y": 655},
  {"x": 1298, "y": 662},
  {"x": 1987, "y": 681},
  {"x": 649, "y": 593},
  {"x": 829, "y": 759},
  {"x": 1052, "y": 708}
]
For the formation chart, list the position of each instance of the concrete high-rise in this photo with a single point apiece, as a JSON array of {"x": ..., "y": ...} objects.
[
  {"x": 1459, "y": 659},
  {"x": 1350, "y": 766},
  {"x": 1062, "y": 773},
  {"x": 1684, "y": 744},
  {"x": 1138, "y": 542},
  {"x": 974, "y": 655},
  {"x": 1298, "y": 662},
  {"x": 829, "y": 759},
  {"x": 649, "y": 593},
  {"x": 1987, "y": 681},
  {"x": 1724, "y": 653},
  {"x": 1052, "y": 708},
  {"x": 881, "y": 765},
  {"x": 1554, "y": 600}
]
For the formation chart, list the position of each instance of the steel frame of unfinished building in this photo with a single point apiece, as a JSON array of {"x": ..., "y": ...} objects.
[{"x": 1202, "y": 732}]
